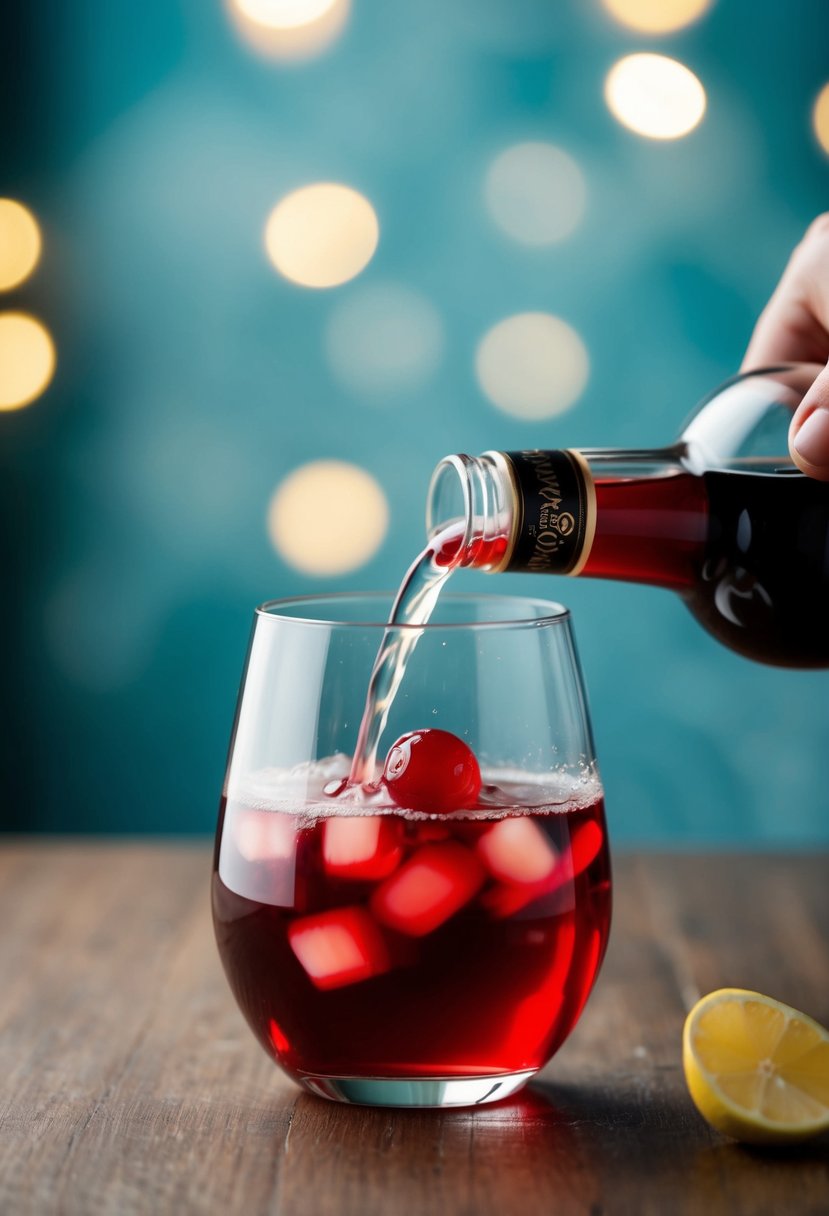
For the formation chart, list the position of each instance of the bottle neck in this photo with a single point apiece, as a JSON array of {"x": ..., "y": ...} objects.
[{"x": 637, "y": 515}]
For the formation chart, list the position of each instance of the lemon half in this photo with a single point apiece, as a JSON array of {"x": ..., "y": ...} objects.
[{"x": 757, "y": 1070}]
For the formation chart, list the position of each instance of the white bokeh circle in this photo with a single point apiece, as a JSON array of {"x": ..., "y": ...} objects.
[
  {"x": 655, "y": 96},
  {"x": 289, "y": 30},
  {"x": 532, "y": 365},
  {"x": 535, "y": 192}
]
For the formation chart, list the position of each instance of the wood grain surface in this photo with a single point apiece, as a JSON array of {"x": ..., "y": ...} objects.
[{"x": 130, "y": 1083}]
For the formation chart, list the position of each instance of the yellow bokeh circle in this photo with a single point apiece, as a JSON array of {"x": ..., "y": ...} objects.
[
  {"x": 27, "y": 359},
  {"x": 322, "y": 235},
  {"x": 820, "y": 117},
  {"x": 20, "y": 243},
  {"x": 656, "y": 16},
  {"x": 654, "y": 96},
  {"x": 532, "y": 365},
  {"x": 328, "y": 517}
]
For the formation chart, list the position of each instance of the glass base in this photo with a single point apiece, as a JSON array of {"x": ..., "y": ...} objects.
[{"x": 419, "y": 1091}]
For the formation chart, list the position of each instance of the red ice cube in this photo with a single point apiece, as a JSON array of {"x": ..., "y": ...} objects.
[
  {"x": 516, "y": 850},
  {"x": 263, "y": 835},
  {"x": 430, "y": 887},
  {"x": 361, "y": 847},
  {"x": 585, "y": 845},
  {"x": 426, "y": 831},
  {"x": 339, "y": 947},
  {"x": 257, "y": 858},
  {"x": 506, "y": 899}
]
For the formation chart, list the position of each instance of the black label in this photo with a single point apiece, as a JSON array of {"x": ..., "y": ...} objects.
[{"x": 556, "y": 502}]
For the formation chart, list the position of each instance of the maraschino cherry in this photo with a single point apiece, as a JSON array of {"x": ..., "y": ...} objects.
[{"x": 432, "y": 771}]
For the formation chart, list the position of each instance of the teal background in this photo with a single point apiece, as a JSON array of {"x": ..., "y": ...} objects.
[{"x": 151, "y": 144}]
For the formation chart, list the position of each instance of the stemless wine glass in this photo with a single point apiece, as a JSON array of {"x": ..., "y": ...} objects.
[{"x": 391, "y": 955}]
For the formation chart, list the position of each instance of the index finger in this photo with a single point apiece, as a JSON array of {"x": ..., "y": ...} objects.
[{"x": 794, "y": 325}]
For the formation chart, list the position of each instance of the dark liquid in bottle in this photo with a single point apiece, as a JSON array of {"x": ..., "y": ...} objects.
[
  {"x": 747, "y": 551},
  {"x": 763, "y": 584}
]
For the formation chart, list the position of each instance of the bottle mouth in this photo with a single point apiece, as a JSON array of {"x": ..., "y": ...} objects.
[
  {"x": 449, "y": 501},
  {"x": 470, "y": 510}
]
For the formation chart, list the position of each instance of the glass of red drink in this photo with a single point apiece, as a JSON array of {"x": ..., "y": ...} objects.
[{"x": 429, "y": 934}]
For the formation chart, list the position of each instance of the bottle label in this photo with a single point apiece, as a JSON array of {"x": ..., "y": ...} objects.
[{"x": 556, "y": 517}]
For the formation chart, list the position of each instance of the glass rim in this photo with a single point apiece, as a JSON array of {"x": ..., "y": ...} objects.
[{"x": 554, "y": 614}]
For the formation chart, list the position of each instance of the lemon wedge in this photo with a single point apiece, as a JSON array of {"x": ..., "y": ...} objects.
[{"x": 757, "y": 1070}]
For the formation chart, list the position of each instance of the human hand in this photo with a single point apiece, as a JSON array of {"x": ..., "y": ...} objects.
[{"x": 794, "y": 328}]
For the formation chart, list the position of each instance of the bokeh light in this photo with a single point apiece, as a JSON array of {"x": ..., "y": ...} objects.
[
  {"x": 654, "y": 96},
  {"x": 289, "y": 29},
  {"x": 322, "y": 235},
  {"x": 27, "y": 359},
  {"x": 820, "y": 117},
  {"x": 656, "y": 16},
  {"x": 328, "y": 517},
  {"x": 20, "y": 243},
  {"x": 532, "y": 365},
  {"x": 536, "y": 193},
  {"x": 383, "y": 339},
  {"x": 284, "y": 14}
]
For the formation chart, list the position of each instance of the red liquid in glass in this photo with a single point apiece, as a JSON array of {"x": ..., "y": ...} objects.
[{"x": 393, "y": 945}]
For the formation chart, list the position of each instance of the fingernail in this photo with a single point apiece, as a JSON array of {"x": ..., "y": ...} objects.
[{"x": 812, "y": 440}]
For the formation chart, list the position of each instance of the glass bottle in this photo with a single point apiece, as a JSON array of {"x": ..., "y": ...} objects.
[{"x": 722, "y": 517}]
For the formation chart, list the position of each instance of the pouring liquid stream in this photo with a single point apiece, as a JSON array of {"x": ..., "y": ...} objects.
[{"x": 413, "y": 606}]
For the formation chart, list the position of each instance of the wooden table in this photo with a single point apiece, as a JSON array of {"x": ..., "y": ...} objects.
[{"x": 130, "y": 1083}]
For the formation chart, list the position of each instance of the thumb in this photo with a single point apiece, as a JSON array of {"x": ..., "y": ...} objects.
[{"x": 809, "y": 430}]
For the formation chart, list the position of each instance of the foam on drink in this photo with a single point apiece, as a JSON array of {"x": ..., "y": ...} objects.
[{"x": 300, "y": 792}]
